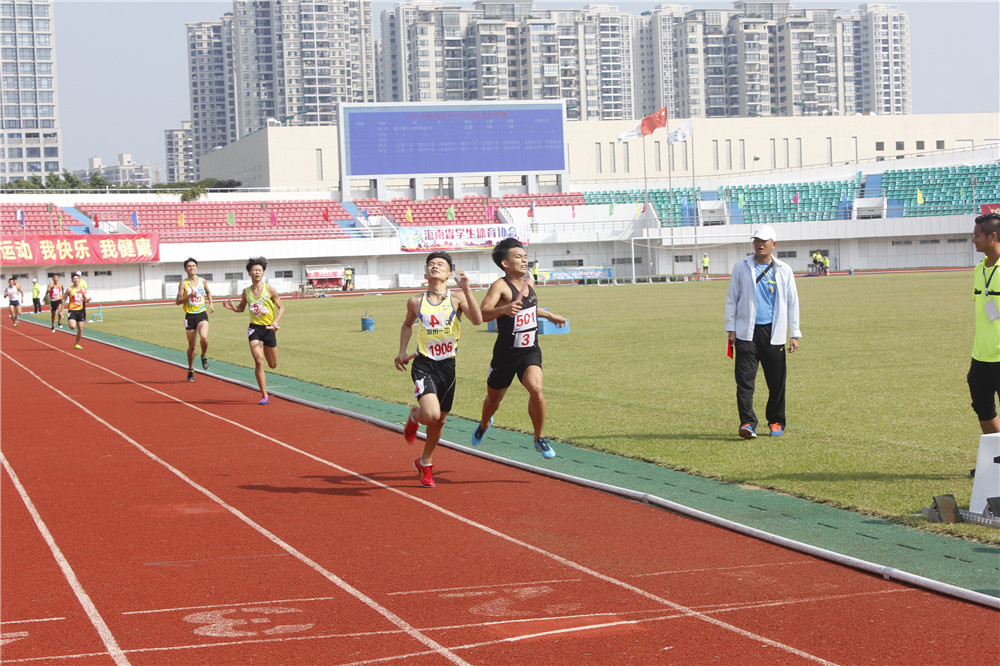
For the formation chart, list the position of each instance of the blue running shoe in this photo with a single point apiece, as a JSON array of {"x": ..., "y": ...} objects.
[
  {"x": 542, "y": 445},
  {"x": 746, "y": 431},
  {"x": 477, "y": 437},
  {"x": 777, "y": 429}
]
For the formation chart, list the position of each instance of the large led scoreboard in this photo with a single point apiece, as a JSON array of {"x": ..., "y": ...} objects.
[{"x": 439, "y": 139}]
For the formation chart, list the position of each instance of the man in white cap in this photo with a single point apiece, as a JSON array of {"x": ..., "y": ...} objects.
[{"x": 762, "y": 309}]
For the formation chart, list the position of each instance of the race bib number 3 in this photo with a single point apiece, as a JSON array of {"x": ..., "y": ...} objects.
[
  {"x": 526, "y": 319},
  {"x": 440, "y": 349},
  {"x": 525, "y": 339}
]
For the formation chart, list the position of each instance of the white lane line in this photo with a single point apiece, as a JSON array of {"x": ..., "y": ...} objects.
[
  {"x": 232, "y": 605},
  {"x": 735, "y": 568},
  {"x": 39, "y": 619},
  {"x": 499, "y": 586},
  {"x": 260, "y": 529},
  {"x": 462, "y": 519},
  {"x": 535, "y": 620},
  {"x": 88, "y": 606}
]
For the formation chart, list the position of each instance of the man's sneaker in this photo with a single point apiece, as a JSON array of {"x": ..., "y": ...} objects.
[
  {"x": 410, "y": 431},
  {"x": 204, "y": 363},
  {"x": 266, "y": 399},
  {"x": 53, "y": 329},
  {"x": 777, "y": 430},
  {"x": 190, "y": 375},
  {"x": 542, "y": 446},
  {"x": 424, "y": 471},
  {"x": 746, "y": 431},
  {"x": 477, "y": 437}
]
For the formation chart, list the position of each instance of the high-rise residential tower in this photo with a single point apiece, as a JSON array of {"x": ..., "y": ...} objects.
[{"x": 29, "y": 115}]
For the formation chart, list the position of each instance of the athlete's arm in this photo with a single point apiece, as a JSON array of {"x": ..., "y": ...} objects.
[
  {"x": 208, "y": 295},
  {"x": 406, "y": 331},
  {"x": 558, "y": 320},
  {"x": 467, "y": 303},
  {"x": 181, "y": 297},
  {"x": 228, "y": 303},
  {"x": 497, "y": 302},
  {"x": 281, "y": 308}
]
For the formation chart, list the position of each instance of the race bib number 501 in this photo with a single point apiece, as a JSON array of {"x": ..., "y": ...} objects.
[{"x": 526, "y": 319}]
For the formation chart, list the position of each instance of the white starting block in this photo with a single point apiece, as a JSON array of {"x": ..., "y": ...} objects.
[{"x": 987, "y": 483}]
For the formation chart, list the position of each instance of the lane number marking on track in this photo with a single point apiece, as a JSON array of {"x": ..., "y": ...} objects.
[{"x": 218, "y": 623}]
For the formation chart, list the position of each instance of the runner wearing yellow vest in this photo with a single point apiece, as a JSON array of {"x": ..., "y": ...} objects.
[
  {"x": 266, "y": 310},
  {"x": 436, "y": 315}
]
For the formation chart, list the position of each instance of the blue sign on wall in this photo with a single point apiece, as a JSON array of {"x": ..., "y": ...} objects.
[{"x": 424, "y": 139}]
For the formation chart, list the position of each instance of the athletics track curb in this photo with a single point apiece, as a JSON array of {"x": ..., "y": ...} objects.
[{"x": 944, "y": 564}]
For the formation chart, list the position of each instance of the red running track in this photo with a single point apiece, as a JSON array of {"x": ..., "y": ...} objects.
[{"x": 147, "y": 520}]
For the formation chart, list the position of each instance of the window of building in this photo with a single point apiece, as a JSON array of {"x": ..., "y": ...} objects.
[
  {"x": 282, "y": 274},
  {"x": 900, "y": 145},
  {"x": 684, "y": 259},
  {"x": 940, "y": 145},
  {"x": 173, "y": 278},
  {"x": 787, "y": 254},
  {"x": 879, "y": 145},
  {"x": 920, "y": 145},
  {"x": 567, "y": 263},
  {"x": 234, "y": 276},
  {"x": 102, "y": 273}
]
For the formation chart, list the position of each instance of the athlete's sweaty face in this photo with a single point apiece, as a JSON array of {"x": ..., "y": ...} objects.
[
  {"x": 517, "y": 260},
  {"x": 256, "y": 272},
  {"x": 438, "y": 267}
]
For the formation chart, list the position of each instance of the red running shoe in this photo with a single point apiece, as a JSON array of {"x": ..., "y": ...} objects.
[
  {"x": 410, "y": 431},
  {"x": 426, "y": 480}
]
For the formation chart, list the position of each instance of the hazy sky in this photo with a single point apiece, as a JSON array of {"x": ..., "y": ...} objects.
[{"x": 123, "y": 80}]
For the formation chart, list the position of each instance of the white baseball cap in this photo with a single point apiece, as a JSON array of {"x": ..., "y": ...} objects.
[
  {"x": 764, "y": 233},
  {"x": 34, "y": 279},
  {"x": 78, "y": 273}
]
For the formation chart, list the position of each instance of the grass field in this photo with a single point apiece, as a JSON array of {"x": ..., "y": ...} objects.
[{"x": 878, "y": 407}]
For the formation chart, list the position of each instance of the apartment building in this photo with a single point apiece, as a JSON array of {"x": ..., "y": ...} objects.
[
  {"x": 289, "y": 62},
  {"x": 31, "y": 143},
  {"x": 180, "y": 154}
]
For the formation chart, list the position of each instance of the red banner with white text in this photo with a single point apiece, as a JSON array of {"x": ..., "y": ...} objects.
[{"x": 78, "y": 249}]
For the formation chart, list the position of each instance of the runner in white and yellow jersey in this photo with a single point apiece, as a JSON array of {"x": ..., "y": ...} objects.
[
  {"x": 76, "y": 302},
  {"x": 194, "y": 295},
  {"x": 437, "y": 315},
  {"x": 266, "y": 310}
]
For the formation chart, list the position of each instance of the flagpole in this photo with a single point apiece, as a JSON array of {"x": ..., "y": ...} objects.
[
  {"x": 670, "y": 193},
  {"x": 694, "y": 195}
]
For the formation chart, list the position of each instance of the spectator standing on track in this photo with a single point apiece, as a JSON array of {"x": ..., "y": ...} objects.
[
  {"x": 266, "y": 310},
  {"x": 348, "y": 279},
  {"x": 54, "y": 293},
  {"x": 437, "y": 314},
  {"x": 36, "y": 295},
  {"x": 76, "y": 302},
  {"x": 193, "y": 293},
  {"x": 511, "y": 300},
  {"x": 704, "y": 266},
  {"x": 14, "y": 298},
  {"x": 762, "y": 307},
  {"x": 984, "y": 371}
]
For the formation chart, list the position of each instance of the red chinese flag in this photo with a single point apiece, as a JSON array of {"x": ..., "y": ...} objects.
[
  {"x": 326, "y": 214},
  {"x": 95, "y": 221},
  {"x": 655, "y": 121}
]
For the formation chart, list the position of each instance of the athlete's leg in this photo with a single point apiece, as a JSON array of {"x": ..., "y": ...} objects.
[
  {"x": 190, "y": 350},
  {"x": 257, "y": 351},
  {"x": 490, "y": 405},
  {"x": 203, "y": 334},
  {"x": 532, "y": 380},
  {"x": 271, "y": 354}
]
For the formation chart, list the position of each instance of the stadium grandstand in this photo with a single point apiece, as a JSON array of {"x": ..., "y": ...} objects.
[{"x": 879, "y": 214}]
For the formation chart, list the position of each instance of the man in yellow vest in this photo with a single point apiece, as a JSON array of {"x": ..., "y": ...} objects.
[
  {"x": 437, "y": 314},
  {"x": 984, "y": 372},
  {"x": 704, "y": 266}
]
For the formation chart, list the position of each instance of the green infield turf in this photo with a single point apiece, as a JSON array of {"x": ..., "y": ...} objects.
[{"x": 878, "y": 407}]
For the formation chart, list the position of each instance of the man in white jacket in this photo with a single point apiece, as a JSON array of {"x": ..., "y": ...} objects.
[{"x": 762, "y": 309}]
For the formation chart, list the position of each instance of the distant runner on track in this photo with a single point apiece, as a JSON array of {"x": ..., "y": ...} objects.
[
  {"x": 266, "y": 310},
  {"x": 193, "y": 293},
  {"x": 437, "y": 314},
  {"x": 76, "y": 302},
  {"x": 54, "y": 292}
]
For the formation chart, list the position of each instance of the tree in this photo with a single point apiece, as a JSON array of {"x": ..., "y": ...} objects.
[{"x": 98, "y": 182}]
